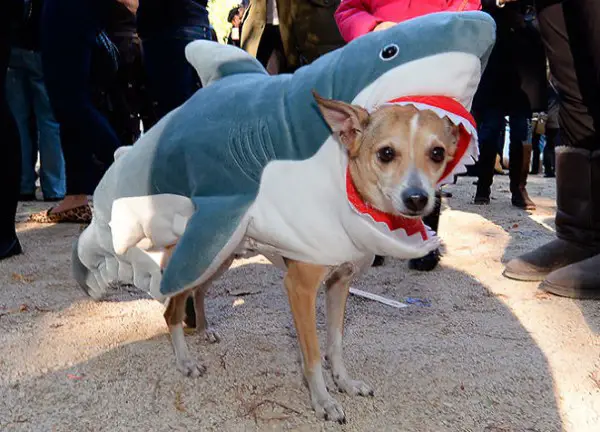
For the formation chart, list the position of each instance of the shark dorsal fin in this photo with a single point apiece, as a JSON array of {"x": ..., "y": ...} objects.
[{"x": 214, "y": 61}]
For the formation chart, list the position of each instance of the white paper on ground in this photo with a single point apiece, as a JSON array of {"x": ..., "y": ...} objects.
[{"x": 377, "y": 298}]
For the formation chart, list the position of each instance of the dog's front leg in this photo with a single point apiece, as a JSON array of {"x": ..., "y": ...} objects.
[
  {"x": 302, "y": 283},
  {"x": 338, "y": 287}
]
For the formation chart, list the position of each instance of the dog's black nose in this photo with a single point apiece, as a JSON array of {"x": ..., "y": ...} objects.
[{"x": 415, "y": 199}]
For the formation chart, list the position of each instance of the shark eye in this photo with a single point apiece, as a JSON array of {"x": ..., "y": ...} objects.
[
  {"x": 386, "y": 154},
  {"x": 389, "y": 52},
  {"x": 438, "y": 154}
]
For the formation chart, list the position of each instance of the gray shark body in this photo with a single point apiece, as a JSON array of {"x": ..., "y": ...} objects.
[{"x": 248, "y": 160}]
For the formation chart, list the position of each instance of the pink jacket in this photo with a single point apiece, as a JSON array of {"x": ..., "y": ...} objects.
[{"x": 358, "y": 17}]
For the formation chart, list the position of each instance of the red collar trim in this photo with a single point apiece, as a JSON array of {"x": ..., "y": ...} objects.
[{"x": 394, "y": 222}]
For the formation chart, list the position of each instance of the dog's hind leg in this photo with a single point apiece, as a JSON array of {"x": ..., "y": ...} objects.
[
  {"x": 174, "y": 318},
  {"x": 302, "y": 283},
  {"x": 202, "y": 326},
  {"x": 338, "y": 288}
]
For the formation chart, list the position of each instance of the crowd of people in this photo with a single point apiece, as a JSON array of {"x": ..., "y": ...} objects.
[{"x": 84, "y": 77}]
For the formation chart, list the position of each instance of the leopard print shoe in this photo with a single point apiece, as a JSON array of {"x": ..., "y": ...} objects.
[{"x": 81, "y": 215}]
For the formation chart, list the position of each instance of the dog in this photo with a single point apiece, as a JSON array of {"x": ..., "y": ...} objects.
[
  {"x": 319, "y": 182},
  {"x": 397, "y": 155}
]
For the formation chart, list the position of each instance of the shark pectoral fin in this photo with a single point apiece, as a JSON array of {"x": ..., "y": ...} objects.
[
  {"x": 214, "y": 61},
  {"x": 211, "y": 235}
]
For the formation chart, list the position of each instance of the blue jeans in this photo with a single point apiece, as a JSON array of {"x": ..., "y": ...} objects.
[
  {"x": 490, "y": 123},
  {"x": 26, "y": 95}
]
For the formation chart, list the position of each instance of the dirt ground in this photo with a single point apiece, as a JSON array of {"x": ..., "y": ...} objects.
[{"x": 488, "y": 354}]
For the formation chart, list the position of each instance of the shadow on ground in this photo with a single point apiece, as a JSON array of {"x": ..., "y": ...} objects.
[{"x": 465, "y": 363}]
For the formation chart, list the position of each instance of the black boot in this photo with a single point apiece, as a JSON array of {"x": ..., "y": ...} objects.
[
  {"x": 549, "y": 157},
  {"x": 432, "y": 220},
  {"x": 519, "y": 159},
  {"x": 10, "y": 248},
  {"x": 577, "y": 227},
  {"x": 485, "y": 172}
]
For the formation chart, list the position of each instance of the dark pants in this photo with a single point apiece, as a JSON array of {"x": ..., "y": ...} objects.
[
  {"x": 570, "y": 31},
  {"x": 171, "y": 79},
  {"x": 126, "y": 101},
  {"x": 69, "y": 29},
  {"x": 490, "y": 127},
  {"x": 10, "y": 162}
]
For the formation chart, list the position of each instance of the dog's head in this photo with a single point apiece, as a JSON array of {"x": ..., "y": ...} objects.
[{"x": 397, "y": 154}]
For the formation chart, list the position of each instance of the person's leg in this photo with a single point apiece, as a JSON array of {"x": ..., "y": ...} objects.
[
  {"x": 123, "y": 115},
  {"x": 19, "y": 98},
  {"x": 549, "y": 149},
  {"x": 490, "y": 123},
  {"x": 552, "y": 133},
  {"x": 69, "y": 29},
  {"x": 519, "y": 160},
  {"x": 52, "y": 165},
  {"x": 171, "y": 79},
  {"x": 570, "y": 264},
  {"x": 10, "y": 163},
  {"x": 536, "y": 152},
  {"x": 267, "y": 44}
]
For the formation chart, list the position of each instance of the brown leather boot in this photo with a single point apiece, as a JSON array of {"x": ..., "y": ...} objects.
[
  {"x": 577, "y": 228},
  {"x": 520, "y": 158}
]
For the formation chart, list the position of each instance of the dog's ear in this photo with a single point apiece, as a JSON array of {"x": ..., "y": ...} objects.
[
  {"x": 346, "y": 120},
  {"x": 454, "y": 133}
]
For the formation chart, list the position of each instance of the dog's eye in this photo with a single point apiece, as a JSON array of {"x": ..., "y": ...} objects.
[
  {"x": 389, "y": 52},
  {"x": 438, "y": 154},
  {"x": 386, "y": 154}
]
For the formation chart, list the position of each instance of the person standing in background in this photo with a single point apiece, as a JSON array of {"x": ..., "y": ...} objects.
[
  {"x": 126, "y": 101},
  {"x": 70, "y": 29},
  {"x": 570, "y": 265},
  {"x": 27, "y": 98},
  {"x": 514, "y": 85},
  {"x": 165, "y": 28},
  {"x": 287, "y": 34},
  {"x": 11, "y": 12},
  {"x": 358, "y": 17},
  {"x": 235, "y": 19}
]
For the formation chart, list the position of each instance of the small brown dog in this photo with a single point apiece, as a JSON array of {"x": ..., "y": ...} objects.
[{"x": 396, "y": 156}]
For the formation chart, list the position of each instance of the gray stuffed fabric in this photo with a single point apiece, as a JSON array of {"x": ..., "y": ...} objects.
[{"x": 248, "y": 165}]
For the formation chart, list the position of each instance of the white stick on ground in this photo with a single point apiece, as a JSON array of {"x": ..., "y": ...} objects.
[{"x": 377, "y": 298}]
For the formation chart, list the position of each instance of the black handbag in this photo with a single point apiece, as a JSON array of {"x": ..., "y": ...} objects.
[{"x": 105, "y": 61}]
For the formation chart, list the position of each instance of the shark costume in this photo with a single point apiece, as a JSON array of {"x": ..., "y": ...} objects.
[{"x": 248, "y": 165}]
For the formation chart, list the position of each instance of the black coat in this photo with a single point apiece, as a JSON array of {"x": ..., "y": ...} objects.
[{"x": 515, "y": 77}]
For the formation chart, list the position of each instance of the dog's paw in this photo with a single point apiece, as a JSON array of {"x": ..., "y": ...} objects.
[
  {"x": 352, "y": 387},
  {"x": 211, "y": 336},
  {"x": 190, "y": 368},
  {"x": 329, "y": 409}
]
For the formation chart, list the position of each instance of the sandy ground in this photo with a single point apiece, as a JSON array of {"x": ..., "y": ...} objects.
[{"x": 488, "y": 354}]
